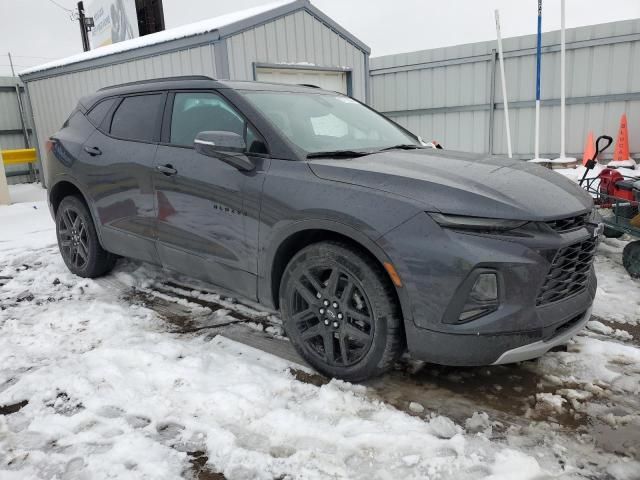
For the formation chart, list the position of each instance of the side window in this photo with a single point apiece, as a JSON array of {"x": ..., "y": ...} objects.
[
  {"x": 99, "y": 111},
  {"x": 136, "y": 118},
  {"x": 195, "y": 112}
]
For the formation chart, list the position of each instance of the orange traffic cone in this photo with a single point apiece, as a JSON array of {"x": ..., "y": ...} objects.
[
  {"x": 621, "y": 157},
  {"x": 589, "y": 149},
  {"x": 621, "y": 151}
]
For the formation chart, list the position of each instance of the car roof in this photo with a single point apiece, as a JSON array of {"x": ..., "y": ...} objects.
[{"x": 192, "y": 82}]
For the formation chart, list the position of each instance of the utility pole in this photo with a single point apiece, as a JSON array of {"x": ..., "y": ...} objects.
[
  {"x": 84, "y": 31},
  {"x": 13, "y": 73}
]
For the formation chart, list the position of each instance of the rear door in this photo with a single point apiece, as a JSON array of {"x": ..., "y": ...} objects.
[
  {"x": 202, "y": 204},
  {"x": 117, "y": 169}
]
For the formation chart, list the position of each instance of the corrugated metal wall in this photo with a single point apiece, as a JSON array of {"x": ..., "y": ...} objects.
[
  {"x": 296, "y": 38},
  {"x": 446, "y": 93},
  {"x": 11, "y": 135},
  {"x": 53, "y": 98}
]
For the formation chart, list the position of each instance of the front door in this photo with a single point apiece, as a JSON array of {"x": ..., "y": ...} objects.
[{"x": 201, "y": 206}]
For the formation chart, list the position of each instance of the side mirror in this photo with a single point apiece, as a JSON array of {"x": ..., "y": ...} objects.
[{"x": 228, "y": 147}]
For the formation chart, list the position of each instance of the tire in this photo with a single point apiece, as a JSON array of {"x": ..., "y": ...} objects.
[
  {"x": 631, "y": 258},
  {"x": 78, "y": 241},
  {"x": 365, "y": 320},
  {"x": 611, "y": 233}
]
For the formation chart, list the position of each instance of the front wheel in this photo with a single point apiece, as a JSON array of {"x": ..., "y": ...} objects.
[
  {"x": 78, "y": 240},
  {"x": 340, "y": 312}
]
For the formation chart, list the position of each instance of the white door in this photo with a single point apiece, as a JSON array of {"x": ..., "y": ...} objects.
[{"x": 336, "y": 81}]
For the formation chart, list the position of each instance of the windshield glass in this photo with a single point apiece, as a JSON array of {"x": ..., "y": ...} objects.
[{"x": 322, "y": 123}]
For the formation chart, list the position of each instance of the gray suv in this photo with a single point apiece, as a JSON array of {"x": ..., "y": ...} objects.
[{"x": 313, "y": 204}]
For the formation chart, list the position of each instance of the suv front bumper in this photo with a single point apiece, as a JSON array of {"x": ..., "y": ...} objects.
[
  {"x": 522, "y": 327},
  {"x": 539, "y": 348}
]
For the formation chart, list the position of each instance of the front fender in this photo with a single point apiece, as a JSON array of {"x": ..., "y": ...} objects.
[{"x": 268, "y": 256}]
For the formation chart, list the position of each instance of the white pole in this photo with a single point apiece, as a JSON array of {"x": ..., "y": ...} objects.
[
  {"x": 562, "y": 80},
  {"x": 504, "y": 86},
  {"x": 536, "y": 154},
  {"x": 538, "y": 75},
  {"x": 563, "y": 90},
  {"x": 4, "y": 188}
]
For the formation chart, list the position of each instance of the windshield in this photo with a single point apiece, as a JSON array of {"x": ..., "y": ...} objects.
[{"x": 328, "y": 123}]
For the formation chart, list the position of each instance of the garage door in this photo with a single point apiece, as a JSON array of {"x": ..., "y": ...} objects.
[{"x": 336, "y": 81}]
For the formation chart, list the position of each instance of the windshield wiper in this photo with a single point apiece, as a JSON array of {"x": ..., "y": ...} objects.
[
  {"x": 338, "y": 154},
  {"x": 403, "y": 146}
]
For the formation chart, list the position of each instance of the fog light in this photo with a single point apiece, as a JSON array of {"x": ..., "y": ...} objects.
[
  {"x": 486, "y": 288},
  {"x": 483, "y": 298}
]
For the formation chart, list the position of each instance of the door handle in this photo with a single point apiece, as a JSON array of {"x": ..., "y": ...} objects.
[
  {"x": 93, "y": 151},
  {"x": 167, "y": 169}
]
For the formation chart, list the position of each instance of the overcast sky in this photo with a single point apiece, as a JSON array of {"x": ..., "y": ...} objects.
[{"x": 36, "y": 31}]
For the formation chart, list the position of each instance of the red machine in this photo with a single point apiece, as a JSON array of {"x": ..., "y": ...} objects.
[
  {"x": 613, "y": 184},
  {"x": 618, "y": 199}
]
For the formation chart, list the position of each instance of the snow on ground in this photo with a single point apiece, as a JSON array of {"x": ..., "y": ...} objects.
[{"x": 94, "y": 385}]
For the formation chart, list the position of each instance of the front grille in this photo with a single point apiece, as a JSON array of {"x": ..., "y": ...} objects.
[
  {"x": 567, "y": 224},
  {"x": 569, "y": 272}
]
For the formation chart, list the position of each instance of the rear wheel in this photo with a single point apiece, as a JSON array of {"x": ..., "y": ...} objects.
[
  {"x": 631, "y": 258},
  {"x": 340, "y": 312},
  {"x": 78, "y": 241}
]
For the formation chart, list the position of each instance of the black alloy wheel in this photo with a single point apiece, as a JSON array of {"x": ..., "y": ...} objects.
[
  {"x": 72, "y": 232},
  {"x": 78, "y": 241},
  {"x": 340, "y": 311},
  {"x": 332, "y": 314}
]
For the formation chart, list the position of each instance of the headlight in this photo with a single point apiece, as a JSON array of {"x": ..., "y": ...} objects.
[{"x": 460, "y": 222}]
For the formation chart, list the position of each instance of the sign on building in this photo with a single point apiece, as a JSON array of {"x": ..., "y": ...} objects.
[{"x": 114, "y": 21}]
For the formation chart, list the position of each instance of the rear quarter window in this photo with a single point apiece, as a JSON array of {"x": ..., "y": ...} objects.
[
  {"x": 137, "y": 118},
  {"x": 99, "y": 111}
]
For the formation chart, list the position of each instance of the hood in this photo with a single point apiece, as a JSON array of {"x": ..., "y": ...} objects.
[{"x": 462, "y": 184}]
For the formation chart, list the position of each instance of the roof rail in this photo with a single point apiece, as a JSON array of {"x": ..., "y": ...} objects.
[
  {"x": 310, "y": 85},
  {"x": 156, "y": 80}
]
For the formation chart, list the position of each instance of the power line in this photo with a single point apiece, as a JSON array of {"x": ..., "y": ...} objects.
[
  {"x": 61, "y": 6},
  {"x": 32, "y": 56}
]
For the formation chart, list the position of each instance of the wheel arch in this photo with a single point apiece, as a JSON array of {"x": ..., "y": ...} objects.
[
  {"x": 303, "y": 234},
  {"x": 63, "y": 188}
]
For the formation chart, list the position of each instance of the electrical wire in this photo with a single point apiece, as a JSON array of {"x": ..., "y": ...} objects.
[
  {"x": 32, "y": 56},
  {"x": 61, "y": 6},
  {"x": 73, "y": 14}
]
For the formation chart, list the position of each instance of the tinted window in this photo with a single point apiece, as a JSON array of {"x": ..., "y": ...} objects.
[
  {"x": 197, "y": 112},
  {"x": 137, "y": 117},
  {"x": 97, "y": 113}
]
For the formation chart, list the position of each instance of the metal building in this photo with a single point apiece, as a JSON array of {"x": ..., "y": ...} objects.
[
  {"x": 288, "y": 42},
  {"x": 453, "y": 94},
  {"x": 15, "y": 130}
]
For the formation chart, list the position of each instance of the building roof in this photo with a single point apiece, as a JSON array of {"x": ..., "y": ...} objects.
[{"x": 219, "y": 27}]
